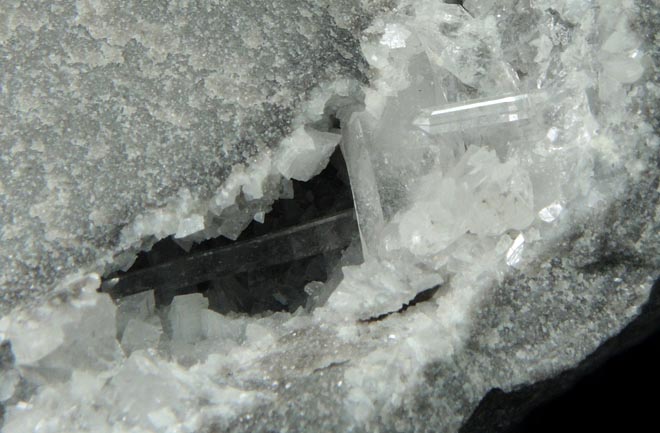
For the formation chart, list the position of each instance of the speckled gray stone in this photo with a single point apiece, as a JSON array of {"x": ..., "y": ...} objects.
[{"x": 107, "y": 109}]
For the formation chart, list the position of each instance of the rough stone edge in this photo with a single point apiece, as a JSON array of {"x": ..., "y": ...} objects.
[{"x": 499, "y": 411}]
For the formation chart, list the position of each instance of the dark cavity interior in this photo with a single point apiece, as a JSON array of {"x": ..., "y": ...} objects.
[{"x": 278, "y": 287}]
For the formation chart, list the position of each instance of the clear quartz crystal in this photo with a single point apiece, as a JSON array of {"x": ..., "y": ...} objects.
[
  {"x": 450, "y": 163},
  {"x": 479, "y": 113}
]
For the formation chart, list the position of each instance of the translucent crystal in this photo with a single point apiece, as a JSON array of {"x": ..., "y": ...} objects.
[
  {"x": 221, "y": 328},
  {"x": 140, "y": 335},
  {"x": 190, "y": 225},
  {"x": 186, "y": 317},
  {"x": 473, "y": 114},
  {"x": 441, "y": 168},
  {"x": 395, "y": 36},
  {"x": 307, "y": 152},
  {"x": 162, "y": 419},
  {"x": 363, "y": 182},
  {"x": 8, "y": 381},
  {"x": 550, "y": 212},
  {"x": 140, "y": 306},
  {"x": 436, "y": 179},
  {"x": 514, "y": 254},
  {"x": 481, "y": 196}
]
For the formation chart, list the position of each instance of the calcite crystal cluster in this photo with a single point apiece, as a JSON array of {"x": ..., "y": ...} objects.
[{"x": 503, "y": 157}]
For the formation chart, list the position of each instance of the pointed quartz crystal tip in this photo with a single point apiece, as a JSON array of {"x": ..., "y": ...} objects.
[{"x": 476, "y": 113}]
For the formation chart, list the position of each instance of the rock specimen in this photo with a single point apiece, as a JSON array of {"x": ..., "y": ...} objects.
[{"x": 503, "y": 157}]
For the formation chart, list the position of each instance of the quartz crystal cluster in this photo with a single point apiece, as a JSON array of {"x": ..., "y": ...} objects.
[{"x": 503, "y": 157}]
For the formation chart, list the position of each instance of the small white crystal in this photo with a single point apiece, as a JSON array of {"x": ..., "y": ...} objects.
[
  {"x": 162, "y": 419},
  {"x": 189, "y": 226},
  {"x": 260, "y": 217},
  {"x": 553, "y": 134},
  {"x": 219, "y": 327},
  {"x": 314, "y": 288},
  {"x": 259, "y": 336},
  {"x": 140, "y": 335},
  {"x": 30, "y": 341},
  {"x": 140, "y": 306},
  {"x": 626, "y": 70},
  {"x": 395, "y": 36},
  {"x": 186, "y": 317},
  {"x": 551, "y": 212},
  {"x": 621, "y": 41},
  {"x": 85, "y": 385},
  {"x": 305, "y": 153},
  {"x": 514, "y": 254}
]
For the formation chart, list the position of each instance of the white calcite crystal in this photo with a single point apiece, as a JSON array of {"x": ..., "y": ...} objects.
[
  {"x": 306, "y": 154},
  {"x": 503, "y": 154},
  {"x": 140, "y": 335},
  {"x": 185, "y": 316}
]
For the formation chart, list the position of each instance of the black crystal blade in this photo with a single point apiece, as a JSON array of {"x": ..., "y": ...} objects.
[{"x": 309, "y": 239}]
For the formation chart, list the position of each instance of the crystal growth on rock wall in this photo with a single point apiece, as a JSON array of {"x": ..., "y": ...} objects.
[{"x": 498, "y": 147}]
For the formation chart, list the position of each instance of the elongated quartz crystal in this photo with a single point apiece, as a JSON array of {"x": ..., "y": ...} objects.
[
  {"x": 452, "y": 158},
  {"x": 479, "y": 113}
]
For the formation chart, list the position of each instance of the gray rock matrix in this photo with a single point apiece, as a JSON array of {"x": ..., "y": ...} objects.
[{"x": 110, "y": 108}]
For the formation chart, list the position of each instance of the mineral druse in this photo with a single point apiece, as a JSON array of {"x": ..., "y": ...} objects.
[{"x": 503, "y": 158}]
